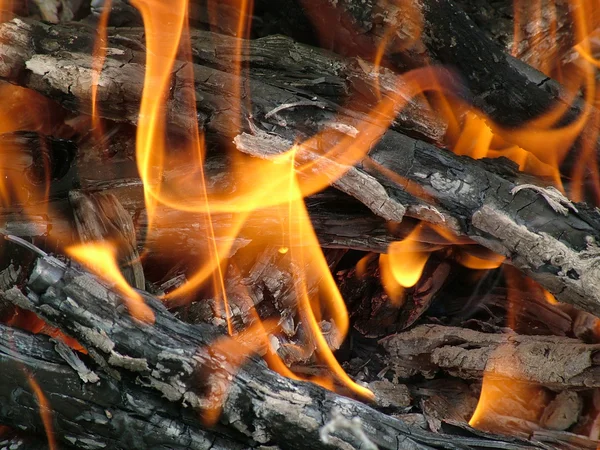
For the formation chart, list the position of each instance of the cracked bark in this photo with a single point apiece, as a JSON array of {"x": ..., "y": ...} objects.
[
  {"x": 506, "y": 89},
  {"x": 487, "y": 202},
  {"x": 118, "y": 413}
]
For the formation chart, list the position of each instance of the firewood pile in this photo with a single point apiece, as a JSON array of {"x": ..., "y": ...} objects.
[{"x": 299, "y": 224}]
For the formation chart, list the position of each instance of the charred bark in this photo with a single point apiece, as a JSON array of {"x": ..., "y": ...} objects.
[{"x": 118, "y": 413}]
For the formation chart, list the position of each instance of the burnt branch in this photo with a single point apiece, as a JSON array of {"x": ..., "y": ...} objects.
[{"x": 118, "y": 413}]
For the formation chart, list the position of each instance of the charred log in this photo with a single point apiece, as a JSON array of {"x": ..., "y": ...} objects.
[{"x": 175, "y": 360}]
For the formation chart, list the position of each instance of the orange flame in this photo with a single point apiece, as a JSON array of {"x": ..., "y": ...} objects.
[
  {"x": 28, "y": 320},
  {"x": 497, "y": 396},
  {"x": 45, "y": 410},
  {"x": 491, "y": 261},
  {"x": 403, "y": 265},
  {"x": 277, "y": 186},
  {"x": 100, "y": 258},
  {"x": 99, "y": 54}
]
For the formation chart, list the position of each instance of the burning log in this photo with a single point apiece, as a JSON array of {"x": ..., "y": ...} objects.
[
  {"x": 441, "y": 30},
  {"x": 486, "y": 200},
  {"x": 298, "y": 149},
  {"x": 509, "y": 92},
  {"x": 523, "y": 30},
  {"x": 183, "y": 363},
  {"x": 101, "y": 217}
]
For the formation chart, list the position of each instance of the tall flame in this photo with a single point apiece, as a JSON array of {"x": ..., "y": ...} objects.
[
  {"x": 45, "y": 410},
  {"x": 285, "y": 180}
]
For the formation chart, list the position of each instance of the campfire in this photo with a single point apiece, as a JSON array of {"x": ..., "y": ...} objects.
[{"x": 299, "y": 224}]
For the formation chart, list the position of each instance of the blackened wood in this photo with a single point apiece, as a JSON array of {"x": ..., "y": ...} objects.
[
  {"x": 35, "y": 166},
  {"x": 525, "y": 311},
  {"x": 300, "y": 73},
  {"x": 107, "y": 413},
  {"x": 506, "y": 89},
  {"x": 546, "y": 30},
  {"x": 101, "y": 217},
  {"x": 494, "y": 84},
  {"x": 59, "y": 10},
  {"x": 11, "y": 441},
  {"x": 487, "y": 202},
  {"x": 174, "y": 359}
]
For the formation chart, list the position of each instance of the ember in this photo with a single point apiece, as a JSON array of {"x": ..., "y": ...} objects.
[{"x": 299, "y": 224}]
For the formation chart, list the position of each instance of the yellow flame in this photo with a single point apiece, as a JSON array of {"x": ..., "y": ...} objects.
[
  {"x": 403, "y": 265},
  {"x": 100, "y": 258}
]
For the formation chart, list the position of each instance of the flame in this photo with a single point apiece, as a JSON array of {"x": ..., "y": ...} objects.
[
  {"x": 491, "y": 261},
  {"x": 279, "y": 185},
  {"x": 501, "y": 396},
  {"x": 550, "y": 298},
  {"x": 100, "y": 258},
  {"x": 100, "y": 46},
  {"x": 45, "y": 410},
  {"x": 404, "y": 263},
  {"x": 235, "y": 349},
  {"x": 6, "y": 10},
  {"x": 285, "y": 179}
]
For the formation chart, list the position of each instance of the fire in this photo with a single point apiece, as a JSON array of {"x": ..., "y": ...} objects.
[
  {"x": 540, "y": 147},
  {"x": 506, "y": 397},
  {"x": 99, "y": 57},
  {"x": 403, "y": 265},
  {"x": 278, "y": 186},
  {"x": 100, "y": 258},
  {"x": 45, "y": 410},
  {"x": 284, "y": 180}
]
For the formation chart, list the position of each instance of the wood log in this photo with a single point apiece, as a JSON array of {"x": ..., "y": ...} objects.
[
  {"x": 495, "y": 83},
  {"x": 183, "y": 363},
  {"x": 545, "y": 31},
  {"x": 506, "y": 89},
  {"x": 553, "y": 361},
  {"x": 101, "y": 217},
  {"x": 490, "y": 206},
  {"x": 35, "y": 166}
]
